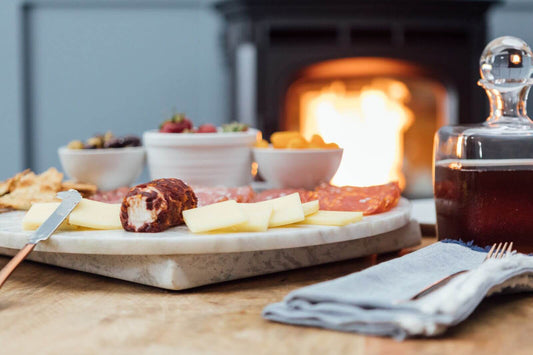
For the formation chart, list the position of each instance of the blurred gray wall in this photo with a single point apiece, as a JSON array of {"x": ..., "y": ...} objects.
[
  {"x": 513, "y": 18},
  {"x": 72, "y": 68}
]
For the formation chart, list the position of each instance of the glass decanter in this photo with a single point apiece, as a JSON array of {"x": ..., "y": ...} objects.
[{"x": 483, "y": 174}]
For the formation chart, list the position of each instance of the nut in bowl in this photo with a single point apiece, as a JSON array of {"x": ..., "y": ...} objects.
[
  {"x": 297, "y": 168},
  {"x": 106, "y": 168}
]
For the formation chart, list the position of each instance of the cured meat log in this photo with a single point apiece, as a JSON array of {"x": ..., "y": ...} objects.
[{"x": 156, "y": 206}]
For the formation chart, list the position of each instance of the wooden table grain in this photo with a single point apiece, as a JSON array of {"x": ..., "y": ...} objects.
[{"x": 46, "y": 309}]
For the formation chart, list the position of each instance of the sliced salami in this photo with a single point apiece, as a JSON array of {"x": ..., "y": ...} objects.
[
  {"x": 206, "y": 195},
  {"x": 369, "y": 200},
  {"x": 209, "y": 195},
  {"x": 112, "y": 196}
]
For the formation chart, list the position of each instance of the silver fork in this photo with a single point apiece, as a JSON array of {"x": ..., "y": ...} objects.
[{"x": 497, "y": 251}]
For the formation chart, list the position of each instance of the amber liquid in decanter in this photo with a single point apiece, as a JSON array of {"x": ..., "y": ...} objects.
[{"x": 485, "y": 205}]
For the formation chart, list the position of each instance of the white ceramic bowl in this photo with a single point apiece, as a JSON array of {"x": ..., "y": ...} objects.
[
  {"x": 297, "y": 168},
  {"x": 207, "y": 159},
  {"x": 106, "y": 168}
]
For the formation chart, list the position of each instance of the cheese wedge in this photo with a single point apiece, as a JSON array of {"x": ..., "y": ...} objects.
[
  {"x": 88, "y": 214},
  {"x": 39, "y": 212},
  {"x": 258, "y": 217},
  {"x": 333, "y": 218},
  {"x": 310, "y": 207},
  {"x": 216, "y": 216},
  {"x": 285, "y": 210}
]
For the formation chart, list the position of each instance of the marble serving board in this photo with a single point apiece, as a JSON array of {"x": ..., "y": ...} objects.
[{"x": 177, "y": 259}]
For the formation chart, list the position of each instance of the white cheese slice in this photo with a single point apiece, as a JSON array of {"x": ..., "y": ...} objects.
[
  {"x": 39, "y": 212},
  {"x": 285, "y": 210},
  {"x": 88, "y": 214},
  {"x": 310, "y": 207},
  {"x": 96, "y": 215},
  {"x": 216, "y": 216},
  {"x": 333, "y": 218},
  {"x": 258, "y": 217}
]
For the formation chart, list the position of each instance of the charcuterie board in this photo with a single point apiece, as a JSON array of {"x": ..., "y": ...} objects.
[{"x": 177, "y": 259}]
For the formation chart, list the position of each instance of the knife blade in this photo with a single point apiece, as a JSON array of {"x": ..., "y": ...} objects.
[{"x": 70, "y": 200}]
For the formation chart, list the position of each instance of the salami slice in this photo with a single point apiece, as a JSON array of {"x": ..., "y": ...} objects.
[
  {"x": 369, "y": 200},
  {"x": 209, "y": 195},
  {"x": 112, "y": 196}
]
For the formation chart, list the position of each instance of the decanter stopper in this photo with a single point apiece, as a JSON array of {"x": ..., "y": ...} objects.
[{"x": 506, "y": 67}]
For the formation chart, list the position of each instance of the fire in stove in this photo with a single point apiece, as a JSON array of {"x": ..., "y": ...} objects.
[
  {"x": 382, "y": 112},
  {"x": 369, "y": 123}
]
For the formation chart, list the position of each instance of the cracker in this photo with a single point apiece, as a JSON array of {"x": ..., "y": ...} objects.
[
  {"x": 8, "y": 185},
  {"x": 22, "y": 199},
  {"x": 32, "y": 188},
  {"x": 84, "y": 189},
  {"x": 51, "y": 179}
]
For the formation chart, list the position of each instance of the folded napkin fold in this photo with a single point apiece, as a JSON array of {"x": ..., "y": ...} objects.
[{"x": 374, "y": 301}]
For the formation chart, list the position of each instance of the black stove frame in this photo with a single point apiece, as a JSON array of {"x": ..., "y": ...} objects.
[{"x": 444, "y": 37}]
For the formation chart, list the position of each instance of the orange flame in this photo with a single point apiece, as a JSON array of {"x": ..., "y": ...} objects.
[{"x": 368, "y": 123}]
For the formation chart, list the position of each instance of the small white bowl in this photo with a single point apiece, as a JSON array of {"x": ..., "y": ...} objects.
[
  {"x": 107, "y": 168},
  {"x": 297, "y": 168},
  {"x": 208, "y": 159}
]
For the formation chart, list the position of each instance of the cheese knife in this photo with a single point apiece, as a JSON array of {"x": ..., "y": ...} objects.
[{"x": 70, "y": 200}]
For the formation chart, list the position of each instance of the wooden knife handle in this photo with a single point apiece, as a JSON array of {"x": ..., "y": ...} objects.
[{"x": 14, "y": 262}]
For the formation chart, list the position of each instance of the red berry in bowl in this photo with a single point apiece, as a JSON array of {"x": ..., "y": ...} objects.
[
  {"x": 177, "y": 124},
  {"x": 170, "y": 127},
  {"x": 207, "y": 128}
]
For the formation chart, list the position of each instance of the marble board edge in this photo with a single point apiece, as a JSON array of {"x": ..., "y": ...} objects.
[{"x": 180, "y": 272}]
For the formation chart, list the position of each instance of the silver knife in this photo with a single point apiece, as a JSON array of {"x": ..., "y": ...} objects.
[{"x": 70, "y": 200}]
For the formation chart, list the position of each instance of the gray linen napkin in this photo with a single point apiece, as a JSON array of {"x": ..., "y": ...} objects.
[{"x": 372, "y": 301}]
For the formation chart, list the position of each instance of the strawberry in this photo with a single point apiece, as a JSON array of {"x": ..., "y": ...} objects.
[
  {"x": 177, "y": 124},
  {"x": 207, "y": 128}
]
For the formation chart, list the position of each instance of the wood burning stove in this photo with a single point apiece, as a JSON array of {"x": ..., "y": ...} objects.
[{"x": 275, "y": 48}]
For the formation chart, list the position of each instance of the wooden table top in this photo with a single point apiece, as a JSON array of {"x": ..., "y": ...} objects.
[{"x": 47, "y": 309}]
